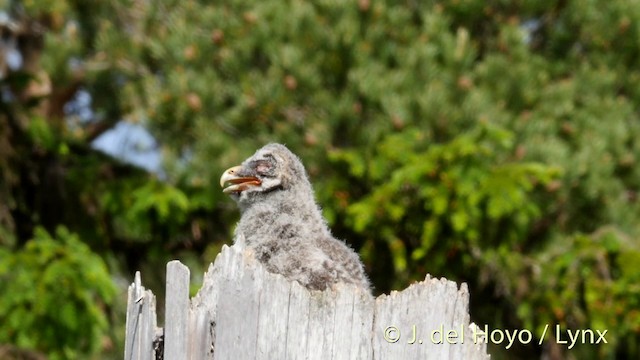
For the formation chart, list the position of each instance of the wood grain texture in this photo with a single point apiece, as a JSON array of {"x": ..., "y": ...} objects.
[
  {"x": 244, "y": 312},
  {"x": 141, "y": 322},
  {"x": 177, "y": 311}
]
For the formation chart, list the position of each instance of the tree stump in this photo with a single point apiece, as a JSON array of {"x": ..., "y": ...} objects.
[{"x": 244, "y": 312}]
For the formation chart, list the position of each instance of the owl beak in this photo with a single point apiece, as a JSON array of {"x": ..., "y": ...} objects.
[{"x": 238, "y": 183}]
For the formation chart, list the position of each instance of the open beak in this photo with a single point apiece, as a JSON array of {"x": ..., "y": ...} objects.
[{"x": 238, "y": 183}]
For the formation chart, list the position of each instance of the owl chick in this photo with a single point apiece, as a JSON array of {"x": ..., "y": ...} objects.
[{"x": 281, "y": 222}]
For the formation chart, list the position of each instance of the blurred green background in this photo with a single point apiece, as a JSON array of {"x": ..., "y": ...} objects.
[{"x": 488, "y": 142}]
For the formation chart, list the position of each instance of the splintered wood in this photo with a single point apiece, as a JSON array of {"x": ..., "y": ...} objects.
[{"x": 244, "y": 312}]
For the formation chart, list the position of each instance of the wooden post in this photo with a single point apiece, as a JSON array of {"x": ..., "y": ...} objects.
[
  {"x": 176, "y": 312},
  {"x": 141, "y": 322},
  {"x": 244, "y": 312}
]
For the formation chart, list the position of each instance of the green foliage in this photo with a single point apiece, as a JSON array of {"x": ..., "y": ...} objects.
[
  {"x": 464, "y": 192},
  {"x": 41, "y": 133},
  {"x": 165, "y": 201},
  {"x": 590, "y": 282},
  {"x": 53, "y": 296}
]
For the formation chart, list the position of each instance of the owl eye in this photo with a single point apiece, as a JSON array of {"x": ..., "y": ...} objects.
[{"x": 263, "y": 167}]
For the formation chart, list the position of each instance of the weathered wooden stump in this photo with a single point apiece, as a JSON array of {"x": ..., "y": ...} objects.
[{"x": 245, "y": 312}]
